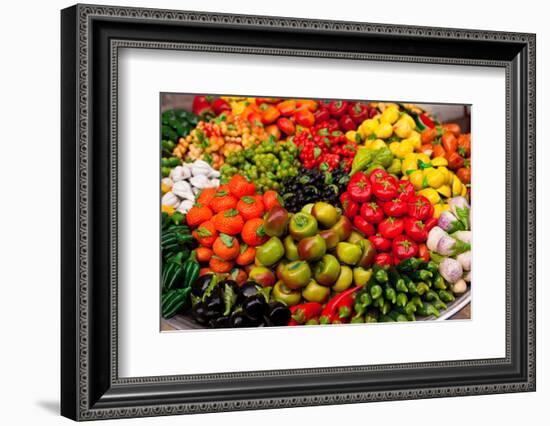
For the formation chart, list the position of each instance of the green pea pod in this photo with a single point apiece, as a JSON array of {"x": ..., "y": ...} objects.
[
  {"x": 446, "y": 296},
  {"x": 376, "y": 291},
  {"x": 401, "y": 299},
  {"x": 390, "y": 293},
  {"x": 421, "y": 275},
  {"x": 398, "y": 316},
  {"x": 408, "y": 265},
  {"x": 439, "y": 282},
  {"x": 422, "y": 288},
  {"x": 427, "y": 309}
]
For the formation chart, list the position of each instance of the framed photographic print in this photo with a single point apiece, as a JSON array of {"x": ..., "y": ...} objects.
[{"x": 263, "y": 212}]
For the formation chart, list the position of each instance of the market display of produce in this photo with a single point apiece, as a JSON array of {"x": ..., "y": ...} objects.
[{"x": 282, "y": 212}]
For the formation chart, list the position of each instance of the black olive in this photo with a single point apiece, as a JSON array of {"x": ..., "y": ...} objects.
[
  {"x": 199, "y": 286},
  {"x": 254, "y": 306},
  {"x": 278, "y": 313}
]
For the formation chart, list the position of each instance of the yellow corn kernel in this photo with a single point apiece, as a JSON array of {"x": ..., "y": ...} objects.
[
  {"x": 444, "y": 190},
  {"x": 405, "y": 148},
  {"x": 417, "y": 179},
  {"x": 431, "y": 194},
  {"x": 434, "y": 178},
  {"x": 384, "y": 130}
]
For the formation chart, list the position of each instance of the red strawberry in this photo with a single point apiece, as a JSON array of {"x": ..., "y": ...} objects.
[
  {"x": 253, "y": 232},
  {"x": 198, "y": 214},
  {"x": 206, "y": 234},
  {"x": 223, "y": 201}
]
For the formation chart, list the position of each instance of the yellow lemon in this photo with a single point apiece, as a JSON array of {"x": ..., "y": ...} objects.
[{"x": 431, "y": 194}]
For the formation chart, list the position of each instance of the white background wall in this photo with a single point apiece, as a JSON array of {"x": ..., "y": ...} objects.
[{"x": 29, "y": 211}]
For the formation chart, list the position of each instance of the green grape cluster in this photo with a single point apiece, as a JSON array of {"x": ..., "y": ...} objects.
[{"x": 265, "y": 164}]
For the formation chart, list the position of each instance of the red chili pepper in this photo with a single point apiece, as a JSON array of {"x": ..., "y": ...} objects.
[
  {"x": 426, "y": 120},
  {"x": 372, "y": 212},
  {"x": 201, "y": 105},
  {"x": 360, "y": 188},
  {"x": 405, "y": 190},
  {"x": 455, "y": 161},
  {"x": 380, "y": 243},
  {"x": 337, "y": 108},
  {"x": 385, "y": 189},
  {"x": 416, "y": 229},
  {"x": 420, "y": 207},
  {"x": 339, "y": 307},
  {"x": 346, "y": 123},
  {"x": 350, "y": 207},
  {"x": 321, "y": 114},
  {"x": 403, "y": 247},
  {"x": 366, "y": 228},
  {"x": 383, "y": 259},
  {"x": 305, "y": 311},
  {"x": 391, "y": 227},
  {"x": 395, "y": 208},
  {"x": 423, "y": 252},
  {"x": 220, "y": 105},
  {"x": 358, "y": 111}
]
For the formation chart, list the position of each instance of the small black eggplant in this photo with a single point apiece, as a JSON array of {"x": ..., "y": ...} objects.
[
  {"x": 199, "y": 313},
  {"x": 238, "y": 320},
  {"x": 254, "y": 306},
  {"x": 247, "y": 290},
  {"x": 214, "y": 303},
  {"x": 278, "y": 313},
  {"x": 220, "y": 322},
  {"x": 199, "y": 286}
]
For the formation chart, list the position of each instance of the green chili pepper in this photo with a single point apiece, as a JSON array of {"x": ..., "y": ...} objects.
[
  {"x": 390, "y": 293},
  {"x": 427, "y": 309},
  {"x": 411, "y": 286},
  {"x": 365, "y": 299},
  {"x": 417, "y": 301},
  {"x": 378, "y": 303},
  {"x": 431, "y": 295},
  {"x": 422, "y": 288},
  {"x": 398, "y": 316},
  {"x": 381, "y": 276},
  {"x": 410, "y": 308},
  {"x": 439, "y": 282},
  {"x": 421, "y": 275},
  {"x": 359, "y": 308},
  {"x": 408, "y": 265},
  {"x": 446, "y": 296},
  {"x": 386, "y": 318},
  {"x": 401, "y": 299},
  {"x": 385, "y": 308},
  {"x": 358, "y": 319},
  {"x": 376, "y": 291},
  {"x": 432, "y": 267},
  {"x": 438, "y": 304}
]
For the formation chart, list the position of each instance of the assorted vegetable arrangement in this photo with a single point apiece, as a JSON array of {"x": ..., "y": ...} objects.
[{"x": 286, "y": 212}]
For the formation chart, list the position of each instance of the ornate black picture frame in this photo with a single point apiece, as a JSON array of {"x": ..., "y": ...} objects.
[{"x": 91, "y": 37}]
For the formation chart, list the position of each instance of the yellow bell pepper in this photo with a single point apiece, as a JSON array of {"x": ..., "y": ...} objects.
[
  {"x": 394, "y": 146},
  {"x": 390, "y": 115},
  {"x": 351, "y": 136},
  {"x": 434, "y": 178},
  {"x": 384, "y": 130},
  {"x": 464, "y": 191},
  {"x": 417, "y": 179},
  {"x": 164, "y": 188},
  {"x": 402, "y": 128},
  {"x": 377, "y": 144},
  {"x": 366, "y": 128},
  {"x": 439, "y": 162},
  {"x": 409, "y": 163},
  {"x": 414, "y": 139},
  {"x": 431, "y": 194},
  {"x": 440, "y": 208},
  {"x": 405, "y": 148},
  {"x": 406, "y": 117},
  {"x": 456, "y": 186},
  {"x": 444, "y": 190}
]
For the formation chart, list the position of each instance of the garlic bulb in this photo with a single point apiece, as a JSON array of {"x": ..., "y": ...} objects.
[
  {"x": 183, "y": 190},
  {"x": 170, "y": 199}
]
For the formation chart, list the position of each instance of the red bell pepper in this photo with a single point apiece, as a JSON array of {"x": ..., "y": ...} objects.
[
  {"x": 300, "y": 314},
  {"x": 405, "y": 190},
  {"x": 372, "y": 212},
  {"x": 358, "y": 111},
  {"x": 360, "y": 188},
  {"x": 346, "y": 123},
  {"x": 339, "y": 307},
  {"x": 377, "y": 174},
  {"x": 286, "y": 126},
  {"x": 220, "y": 105},
  {"x": 385, "y": 189},
  {"x": 420, "y": 207},
  {"x": 384, "y": 259},
  {"x": 395, "y": 207},
  {"x": 391, "y": 227},
  {"x": 366, "y": 228},
  {"x": 269, "y": 113},
  {"x": 416, "y": 229},
  {"x": 321, "y": 114},
  {"x": 202, "y": 105},
  {"x": 380, "y": 243},
  {"x": 350, "y": 207},
  {"x": 337, "y": 108},
  {"x": 404, "y": 247},
  {"x": 304, "y": 117},
  {"x": 430, "y": 223},
  {"x": 423, "y": 252},
  {"x": 287, "y": 107},
  {"x": 308, "y": 104}
]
